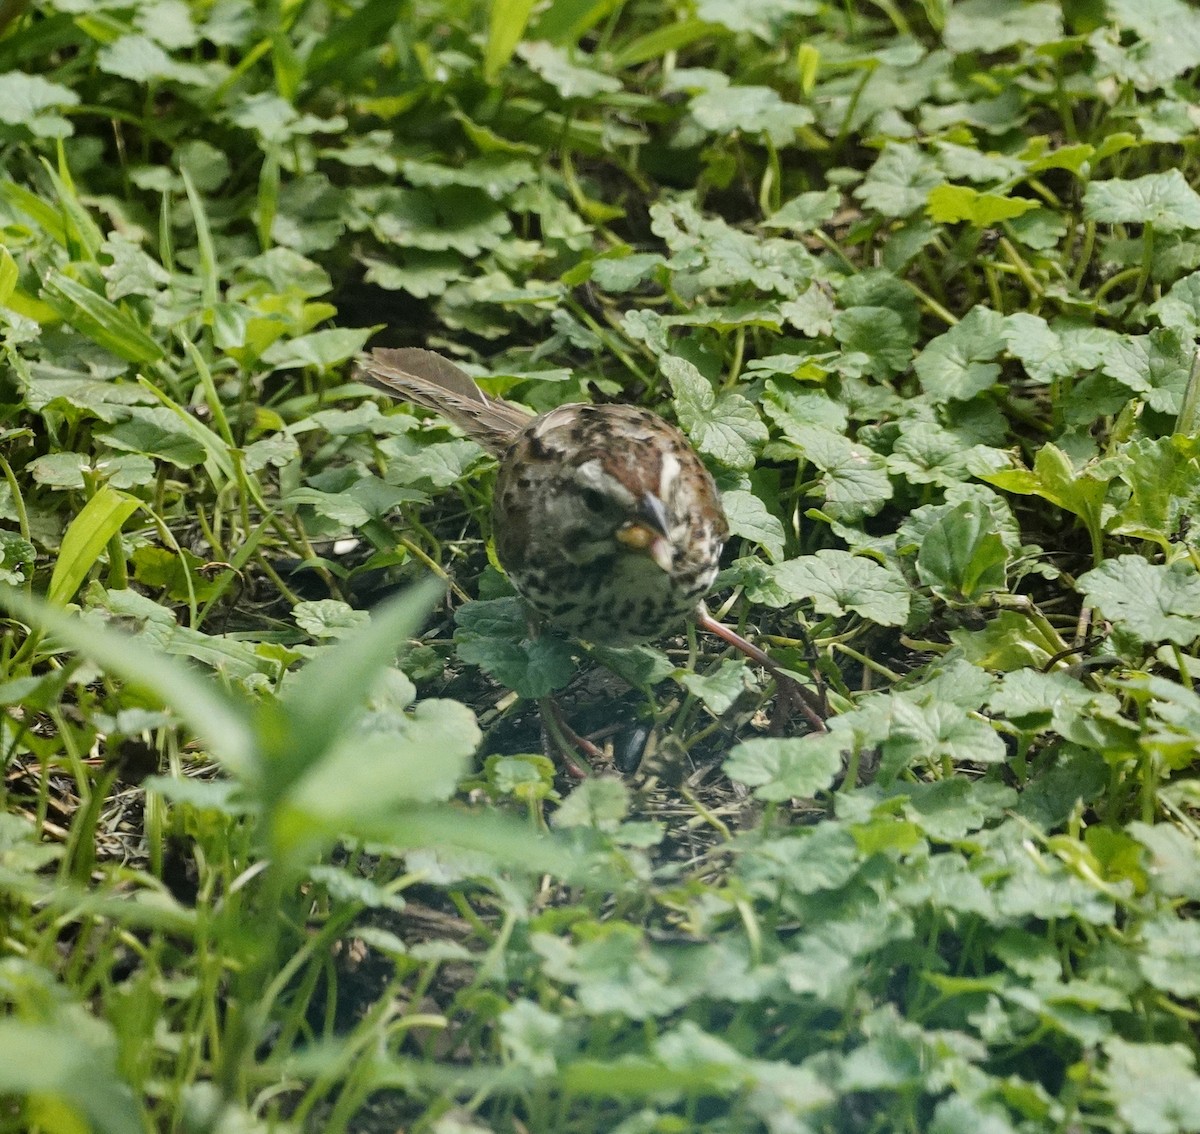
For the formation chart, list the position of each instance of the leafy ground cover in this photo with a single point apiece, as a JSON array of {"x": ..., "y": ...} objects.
[{"x": 921, "y": 282}]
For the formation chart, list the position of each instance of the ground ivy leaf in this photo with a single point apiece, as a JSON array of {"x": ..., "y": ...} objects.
[
  {"x": 142, "y": 60},
  {"x": 958, "y": 683},
  {"x": 530, "y": 668},
  {"x": 1168, "y": 959},
  {"x": 927, "y": 453},
  {"x": 751, "y": 110},
  {"x": 725, "y": 428},
  {"x": 855, "y": 480},
  {"x": 721, "y": 688},
  {"x": 1031, "y": 699},
  {"x": 1179, "y": 309},
  {"x": 329, "y": 618},
  {"x": 780, "y": 768},
  {"x": 322, "y": 349},
  {"x": 878, "y": 333},
  {"x": 132, "y": 271},
  {"x": 795, "y": 408},
  {"x": 958, "y": 364},
  {"x": 810, "y": 313},
  {"x": 343, "y": 510},
  {"x": 441, "y": 464},
  {"x": 601, "y": 802},
  {"x": 1050, "y": 353},
  {"x": 568, "y": 78},
  {"x": 25, "y": 101},
  {"x": 1154, "y": 601},
  {"x": 1172, "y": 859},
  {"x": 900, "y": 181},
  {"x": 1153, "y": 1086},
  {"x": 933, "y": 732},
  {"x": 624, "y": 273},
  {"x": 458, "y": 217},
  {"x": 839, "y": 583},
  {"x": 759, "y": 582},
  {"x": 947, "y": 810},
  {"x": 1164, "y": 200},
  {"x": 158, "y": 432},
  {"x": 805, "y": 212},
  {"x": 17, "y": 558},
  {"x": 992, "y": 25},
  {"x": 494, "y": 635},
  {"x": 1154, "y": 365},
  {"x": 749, "y": 518}
]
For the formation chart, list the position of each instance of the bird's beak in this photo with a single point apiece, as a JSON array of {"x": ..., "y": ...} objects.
[{"x": 650, "y": 532}]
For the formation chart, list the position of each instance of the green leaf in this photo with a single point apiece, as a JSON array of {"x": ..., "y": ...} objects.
[
  {"x": 962, "y": 557},
  {"x": 329, "y": 618},
  {"x": 100, "y": 320},
  {"x": 1164, "y": 200},
  {"x": 750, "y": 110},
  {"x": 17, "y": 559},
  {"x": 374, "y": 767},
  {"x": 925, "y": 453},
  {"x": 1158, "y": 42},
  {"x": 1156, "y": 366},
  {"x": 949, "y": 204},
  {"x": 839, "y": 583},
  {"x": 1049, "y": 354},
  {"x": 208, "y": 709},
  {"x": 157, "y": 431},
  {"x": 748, "y": 517},
  {"x": 1153, "y": 1086},
  {"x": 1053, "y": 478},
  {"x": 570, "y": 79},
  {"x": 899, "y": 182},
  {"x": 74, "y": 1062},
  {"x": 599, "y": 802},
  {"x": 495, "y": 636},
  {"x": 101, "y": 518},
  {"x": 27, "y": 101},
  {"x": 1153, "y": 601},
  {"x": 805, "y": 212},
  {"x": 725, "y": 428},
  {"x": 779, "y": 769},
  {"x": 322, "y": 349},
  {"x": 1172, "y": 859},
  {"x": 506, "y": 26},
  {"x": 323, "y": 701},
  {"x": 958, "y": 365},
  {"x": 879, "y": 334},
  {"x": 919, "y": 733},
  {"x": 721, "y": 688},
  {"x": 1168, "y": 960},
  {"x": 1163, "y": 476},
  {"x": 1179, "y": 309},
  {"x": 989, "y": 26},
  {"x": 854, "y": 480},
  {"x": 456, "y": 217}
]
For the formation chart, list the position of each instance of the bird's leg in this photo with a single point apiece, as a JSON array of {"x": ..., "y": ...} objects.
[
  {"x": 790, "y": 690},
  {"x": 560, "y": 737}
]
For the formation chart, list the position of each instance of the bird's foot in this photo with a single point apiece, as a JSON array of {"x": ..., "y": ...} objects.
[
  {"x": 792, "y": 694},
  {"x": 561, "y": 741}
]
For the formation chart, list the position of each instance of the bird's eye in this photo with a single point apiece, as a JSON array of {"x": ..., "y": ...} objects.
[{"x": 593, "y": 501}]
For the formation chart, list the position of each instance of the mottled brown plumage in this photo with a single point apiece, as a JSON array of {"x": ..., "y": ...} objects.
[{"x": 604, "y": 517}]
